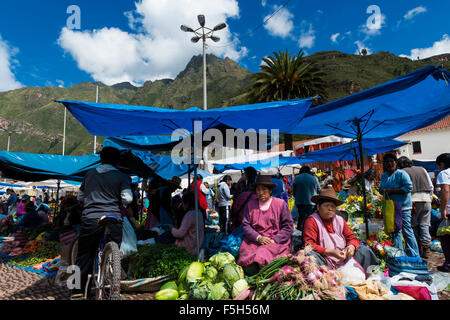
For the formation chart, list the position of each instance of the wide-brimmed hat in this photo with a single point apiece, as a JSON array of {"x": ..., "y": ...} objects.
[
  {"x": 264, "y": 180},
  {"x": 327, "y": 193},
  {"x": 175, "y": 182},
  {"x": 25, "y": 197}
]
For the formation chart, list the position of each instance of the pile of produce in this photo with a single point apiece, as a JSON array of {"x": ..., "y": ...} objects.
[
  {"x": 14, "y": 247},
  {"x": 296, "y": 277},
  {"x": 47, "y": 251},
  {"x": 32, "y": 246},
  {"x": 33, "y": 233},
  {"x": 156, "y": 260},
  {"x": 218, "y": 279}
]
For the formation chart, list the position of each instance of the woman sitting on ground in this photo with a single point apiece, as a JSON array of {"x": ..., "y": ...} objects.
[
  {"x": 31, "y": 219},
  {"x": 267, "y": 226},
  {"x": 330, "y": 237},
  {"x": 186, "y": 234}
]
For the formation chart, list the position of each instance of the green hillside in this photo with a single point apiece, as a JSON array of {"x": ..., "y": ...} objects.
[{"x": 33, "y": 112}]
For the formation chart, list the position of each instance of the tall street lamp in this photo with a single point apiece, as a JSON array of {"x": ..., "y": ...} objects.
[
  {"x": 204, "y": 35},
  {"x": 9, "y": 135}
]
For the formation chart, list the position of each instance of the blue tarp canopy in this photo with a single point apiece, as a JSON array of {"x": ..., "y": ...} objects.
[
  {"x": 410, "y": 102},
  {"x": 115, "y": 120},
  {"x": 38, "y": 167},
  {"x": 342, "y": 152},
  {"x": 142, "y": 143},
  {"x": 10, "y": 185},
  {"x": 430, "y": 166}
]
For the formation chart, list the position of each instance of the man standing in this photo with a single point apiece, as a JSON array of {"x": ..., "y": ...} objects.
[
  {"x": 421, "y": 198},
  {"x": 443, "y": 180},
  {"x": 102, "y": 192},
  {"x": 224, "y": 198},
  {"x": 306, "y": 185}
]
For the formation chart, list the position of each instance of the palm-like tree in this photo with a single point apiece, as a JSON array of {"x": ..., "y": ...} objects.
[{"x": 285, "y": 77}]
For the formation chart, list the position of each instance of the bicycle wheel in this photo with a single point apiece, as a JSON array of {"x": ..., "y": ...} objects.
[
  {"x": 110, "y": 271},
  {"x": 74, "y": 251}
]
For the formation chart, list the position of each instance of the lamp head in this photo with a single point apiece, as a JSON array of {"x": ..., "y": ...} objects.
[
  {"x": 220, "y": 26},
  {"x": 201, "y": 19}
]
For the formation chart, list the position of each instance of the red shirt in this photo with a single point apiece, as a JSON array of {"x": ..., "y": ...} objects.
[
  {"x": 311, "y": 234},
  {"x": 202, "y": 202}
]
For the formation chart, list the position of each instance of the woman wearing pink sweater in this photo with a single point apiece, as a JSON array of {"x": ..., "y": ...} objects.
[{"x": 186, "y": 234}]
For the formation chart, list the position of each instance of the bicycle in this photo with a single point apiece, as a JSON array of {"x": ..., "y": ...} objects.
[{"x": 107, "y": 267}]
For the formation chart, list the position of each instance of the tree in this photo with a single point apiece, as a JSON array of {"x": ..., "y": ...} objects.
[
  {"x": 364, "y": 52},
  {"x": 286, "y": 77}
]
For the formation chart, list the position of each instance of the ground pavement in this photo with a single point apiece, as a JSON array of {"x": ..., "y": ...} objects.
[{"x": 17, "y": 284}]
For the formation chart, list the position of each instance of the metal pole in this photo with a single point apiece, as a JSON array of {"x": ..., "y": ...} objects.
[
  {"x": 64, "y": 133},
  {"x": 204, "y": 73},
  {"x": 9, "y": 140},
  {"x": 95, "y": 137},
  {"x": 57, "y": 199},
  {"x": 363, "y": 183}
]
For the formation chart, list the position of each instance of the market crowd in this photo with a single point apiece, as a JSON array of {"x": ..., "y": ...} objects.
[{"x": 255, "y": 208}]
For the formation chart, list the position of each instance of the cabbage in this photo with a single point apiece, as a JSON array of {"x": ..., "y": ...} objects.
[
  {"x": 221, "y": 259},
  {"x": 232, "y": 273},
  {"x": 238, "y": 287},
  {"x": 195, "y": 271},
  {"x": 200, "y": 290},
  {"x": 211, "y": 273},
  {"x": 218, "y": 292}
]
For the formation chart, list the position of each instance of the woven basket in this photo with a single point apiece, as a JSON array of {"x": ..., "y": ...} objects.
[{"x": 143, "y": 285}]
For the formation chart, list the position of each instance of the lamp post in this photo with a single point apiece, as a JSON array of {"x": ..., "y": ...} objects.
[
  {"x": 95, "y": 137},
  {"x": 9, "y": 135},
  {"x": 204, "y": 35}
]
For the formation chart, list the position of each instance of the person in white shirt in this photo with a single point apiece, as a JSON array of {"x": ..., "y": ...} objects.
[{"x": 443, "y": 180}]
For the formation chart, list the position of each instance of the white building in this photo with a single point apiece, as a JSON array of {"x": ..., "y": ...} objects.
[{"x": 427, "y": 143}]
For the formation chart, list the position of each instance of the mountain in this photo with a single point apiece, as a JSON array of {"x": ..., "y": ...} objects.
[{"x": 33, "y": 112}]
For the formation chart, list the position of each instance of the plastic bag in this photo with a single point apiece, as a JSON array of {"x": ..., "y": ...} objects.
[
  {"x": 374, "y": 273},
  {"x": 444, "y": 228},
  {"x": 352, "y": 273},
  {"x": 129, "y": 239}
]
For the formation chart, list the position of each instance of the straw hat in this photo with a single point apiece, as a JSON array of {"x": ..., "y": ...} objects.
[
  {"x": 264, "y": 180},
  {"x": 327, "y": 193}
]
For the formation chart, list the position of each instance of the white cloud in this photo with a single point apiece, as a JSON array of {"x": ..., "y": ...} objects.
[
  {"x": 307, "y": 37},
  {"x": 439, "y": 47},
  {"x": 263, "y": 3},
  {"x": 361, "y": 46},
  {"x": 414, "y": 12},
  {"x": 7, "y": 78},
  {"x": 334, "y": 37},
  {"x": 158, "y": 49},
  {"x": 280, "y": 24}
]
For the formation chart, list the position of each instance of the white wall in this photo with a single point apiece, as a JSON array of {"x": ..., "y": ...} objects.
[{"x": 433, "y": 143}]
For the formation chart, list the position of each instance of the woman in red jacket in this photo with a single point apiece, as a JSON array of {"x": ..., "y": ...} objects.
[{"x": 330, "y": 237}]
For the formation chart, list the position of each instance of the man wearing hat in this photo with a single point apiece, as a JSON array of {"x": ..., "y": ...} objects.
[
  {"x": 332, "y": 240},
  {"x": 267, "y": 226}
]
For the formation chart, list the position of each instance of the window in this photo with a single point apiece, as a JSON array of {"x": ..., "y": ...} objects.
[{"x": 416, "y": 147}]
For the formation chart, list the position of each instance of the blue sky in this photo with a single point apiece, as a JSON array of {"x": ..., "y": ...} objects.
[{"x": 135, "y": 41}]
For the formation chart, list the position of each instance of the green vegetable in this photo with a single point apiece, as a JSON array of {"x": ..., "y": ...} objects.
[
  {"x": 199, "y": 290},
  {"x": 218, "y": 292},
  {"x": 170, "y": 285},
  {"x": 182, "y": 274},
  {"x": 238, "y": 287},
  {"x": 195, "y": 271},
  {"x": 157, "y": 260},
  {"x": 221, "y": 259},
  {"x": 211, "y": 273},
  {"x": 166, "y": 294},
  {"x": 48, "y": 251},
  {"x": 183, "y": 297},
  {"x": 182, "y": 288},
  {"x": 232, "y": 273}
]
